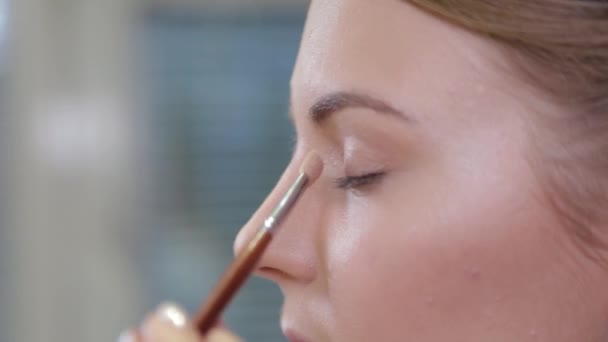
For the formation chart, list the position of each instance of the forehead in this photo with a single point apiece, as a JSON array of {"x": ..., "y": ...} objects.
[{"x": 388, "y": 48}]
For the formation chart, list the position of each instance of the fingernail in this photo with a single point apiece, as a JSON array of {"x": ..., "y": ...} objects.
[
  {"x": 219, "y": 334},
  {"x": 126, "y": 336},
  {"x": 172, "y": 313}
]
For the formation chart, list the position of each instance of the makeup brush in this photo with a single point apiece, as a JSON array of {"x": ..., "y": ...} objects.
[{"x": 245, "y": 262}]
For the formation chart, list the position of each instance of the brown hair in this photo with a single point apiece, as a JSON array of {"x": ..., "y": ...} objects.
[{"x": 564, "y": 48}]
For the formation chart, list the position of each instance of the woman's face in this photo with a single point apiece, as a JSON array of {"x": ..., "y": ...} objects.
[{"x": 427, "y": 223}]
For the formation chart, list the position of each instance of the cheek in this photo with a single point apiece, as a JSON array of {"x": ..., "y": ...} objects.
[{"x": 408, "y": 260}]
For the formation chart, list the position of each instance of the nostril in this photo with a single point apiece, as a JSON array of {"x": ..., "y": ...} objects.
[
  {"x": 267, "y": 270},
  {"x": 272, "y": 274},
  {"x": 264, "y": 269}
]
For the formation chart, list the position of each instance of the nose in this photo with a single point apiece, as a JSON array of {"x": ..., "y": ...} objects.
[{"x": 291, "y": 255}]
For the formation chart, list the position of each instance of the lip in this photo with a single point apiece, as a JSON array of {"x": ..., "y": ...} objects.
[
  {"x": 293, "y": 336},
  {"x": 304, "y": 320}
]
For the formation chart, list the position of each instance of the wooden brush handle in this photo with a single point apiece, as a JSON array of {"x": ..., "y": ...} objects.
[{"x": 232, "y": 280}]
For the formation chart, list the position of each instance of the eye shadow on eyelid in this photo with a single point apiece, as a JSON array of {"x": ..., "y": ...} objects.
[{"x": 355, "y": 150}]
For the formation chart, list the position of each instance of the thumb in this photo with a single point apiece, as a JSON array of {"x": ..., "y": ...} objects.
[
  {"x": 221, "y": 335},
  {"x": 170, "y": 324}
]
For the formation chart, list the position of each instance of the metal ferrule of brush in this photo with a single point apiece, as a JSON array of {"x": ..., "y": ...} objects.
[{"x": 282, "y": 208}]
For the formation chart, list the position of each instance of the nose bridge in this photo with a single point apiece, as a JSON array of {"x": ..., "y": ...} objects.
[
  {"x": 256, "y": 221},
  {"x": 291, "y": 252}
]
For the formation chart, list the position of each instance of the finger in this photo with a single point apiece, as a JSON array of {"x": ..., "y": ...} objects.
[
  {"x": 129, "y": 336},
  {"x": 168, "y": 324},
  {"x": 221, "y": 335}
]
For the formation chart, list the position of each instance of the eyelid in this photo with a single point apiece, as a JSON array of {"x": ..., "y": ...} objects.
[{"x": 354, "y": 182}]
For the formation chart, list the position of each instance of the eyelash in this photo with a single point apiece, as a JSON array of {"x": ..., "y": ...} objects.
[{"x": 356, "y": 182}]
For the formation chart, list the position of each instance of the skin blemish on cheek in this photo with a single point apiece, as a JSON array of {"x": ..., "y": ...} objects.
[{"x": 474, "y": 273}]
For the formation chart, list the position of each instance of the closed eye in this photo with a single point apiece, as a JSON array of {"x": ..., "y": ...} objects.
[{"x": 356, "y": 182}]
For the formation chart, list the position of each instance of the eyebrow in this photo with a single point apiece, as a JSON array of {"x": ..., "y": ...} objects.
[{"x": 338, "y": 101}]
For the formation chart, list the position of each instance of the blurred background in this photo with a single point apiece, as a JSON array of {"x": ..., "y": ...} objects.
[{"x": 136, "y": 138}]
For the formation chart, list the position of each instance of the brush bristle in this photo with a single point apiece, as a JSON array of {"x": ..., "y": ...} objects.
[{"x": 312, "y": 166}]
